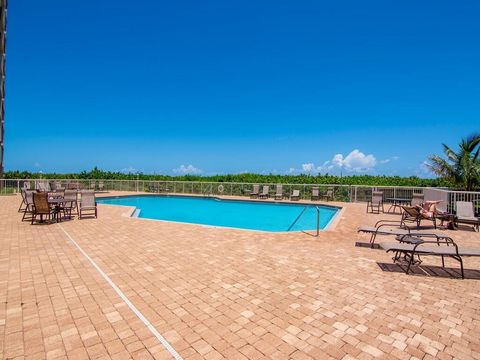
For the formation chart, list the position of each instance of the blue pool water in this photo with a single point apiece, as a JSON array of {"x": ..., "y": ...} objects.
[{"x": 265, "y": 216}]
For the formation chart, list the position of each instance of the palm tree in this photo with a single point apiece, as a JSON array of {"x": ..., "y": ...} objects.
[{"x": 462, "y": 168}]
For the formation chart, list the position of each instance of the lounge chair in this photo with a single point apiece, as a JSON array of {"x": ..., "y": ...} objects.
[
  {"x": 384, "y": 227},
  {"x": 279, "y": 192},
  {"x": 255, "y": 191},
  {"x": 328, "y": 195},
  {"x": 375, "y": 203},
  {"x": 88, "y": 204},
  {"x": 26, "y": 185},
  {"x": 295, "y": 195},
  {"x": 410, "y": 247},
  {"x": 466, "y": 214},
  {"x": 413, "y": 214},
  {"x": 93, "y": 185},
  {"x": 315, "y": 193},
  {"x": 417, "y": 199},
  {"x": 265, "y": 192},
  {"x": 100, "y": 185},
  {"x": 41, "y": 207}
]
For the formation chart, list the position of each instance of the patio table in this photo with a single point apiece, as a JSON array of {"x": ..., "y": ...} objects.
[{"x": 397, "y": 203}]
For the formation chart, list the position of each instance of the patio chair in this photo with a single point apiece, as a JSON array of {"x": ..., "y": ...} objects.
[
  {"x": 414, "y": 214},
  {"x": 21, "y": 208},
  {"x": 417, "y": 199},
  {"x": 466, "y": 214},
  {"x": 57, "y": 185},
  {"x": 391, "y": 227},
  {"x": 375, "y": 203},
  {"x": 328, "y": 196},
  {"x": 315, "y": 193},
  {"x": 100, "y": 185},
  {"x": 71, "y": 203},
  {"x": 28, "y": 199},
  {"x": 411, "y": 247},
  {"x": 295, "y": 196},
  {"x": 41, "y": 207},
  {"x": 42, "y": 186},
  {"x": 279, "y": 192},
  {"x": 93, "y": 185},
  {"x": 265, "y": 192},
  {"x": 26, "y": 185},
  {"x": 88, "y": 204},
  {"x": 255, "y": 191}
]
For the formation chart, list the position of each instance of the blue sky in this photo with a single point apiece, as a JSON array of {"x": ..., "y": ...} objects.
[{"x": 232, "y": 86}]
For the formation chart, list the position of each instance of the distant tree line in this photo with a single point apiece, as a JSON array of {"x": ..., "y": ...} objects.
[{"x": 371, "y": 180}]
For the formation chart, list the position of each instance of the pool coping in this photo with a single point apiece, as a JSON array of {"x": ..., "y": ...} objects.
[{"x": 331, "y": 225}]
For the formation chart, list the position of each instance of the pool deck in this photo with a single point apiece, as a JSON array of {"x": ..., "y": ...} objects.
[{"x": 216, "y": 293}]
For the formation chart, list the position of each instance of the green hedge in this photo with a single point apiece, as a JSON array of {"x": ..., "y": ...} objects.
[{"x": 243, "y": 178}]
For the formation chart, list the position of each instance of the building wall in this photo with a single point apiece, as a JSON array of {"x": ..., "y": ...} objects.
[{"x": 3, "y": 45}]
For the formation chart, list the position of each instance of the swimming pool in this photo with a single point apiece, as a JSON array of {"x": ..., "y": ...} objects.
[{"x": 251, "y": 215}]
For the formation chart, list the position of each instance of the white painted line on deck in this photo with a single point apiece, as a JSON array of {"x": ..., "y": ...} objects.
[{"x": 132, "y": 307}]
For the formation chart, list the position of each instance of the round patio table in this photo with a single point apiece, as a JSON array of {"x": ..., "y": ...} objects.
[{"x": 397, "y": 203}]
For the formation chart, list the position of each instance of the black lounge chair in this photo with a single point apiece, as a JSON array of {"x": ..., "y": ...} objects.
[
  {"x": 412, "y": 246},
  {"x": 390, "y": 227},
  {"x": 412, "y": 214}
]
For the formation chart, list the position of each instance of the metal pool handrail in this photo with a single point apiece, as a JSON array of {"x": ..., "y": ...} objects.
[{"x": 301, "y": 214}]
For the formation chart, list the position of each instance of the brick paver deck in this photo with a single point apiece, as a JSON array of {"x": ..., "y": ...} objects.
[{"x": 224, "y": 294}]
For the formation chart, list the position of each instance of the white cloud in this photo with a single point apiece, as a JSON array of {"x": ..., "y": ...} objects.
[
  {"x": 338, "y": 160},
  {"x": 187, "y": 170},
  {"x": 386, "y": 161},
  {"x": 356, "y": 161},
  {"x": 308, "y": 167},
  {"x": 422, "y": 170},
  {"x": 130, "y": 170},
  {"x": 327, "y": 165}
]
